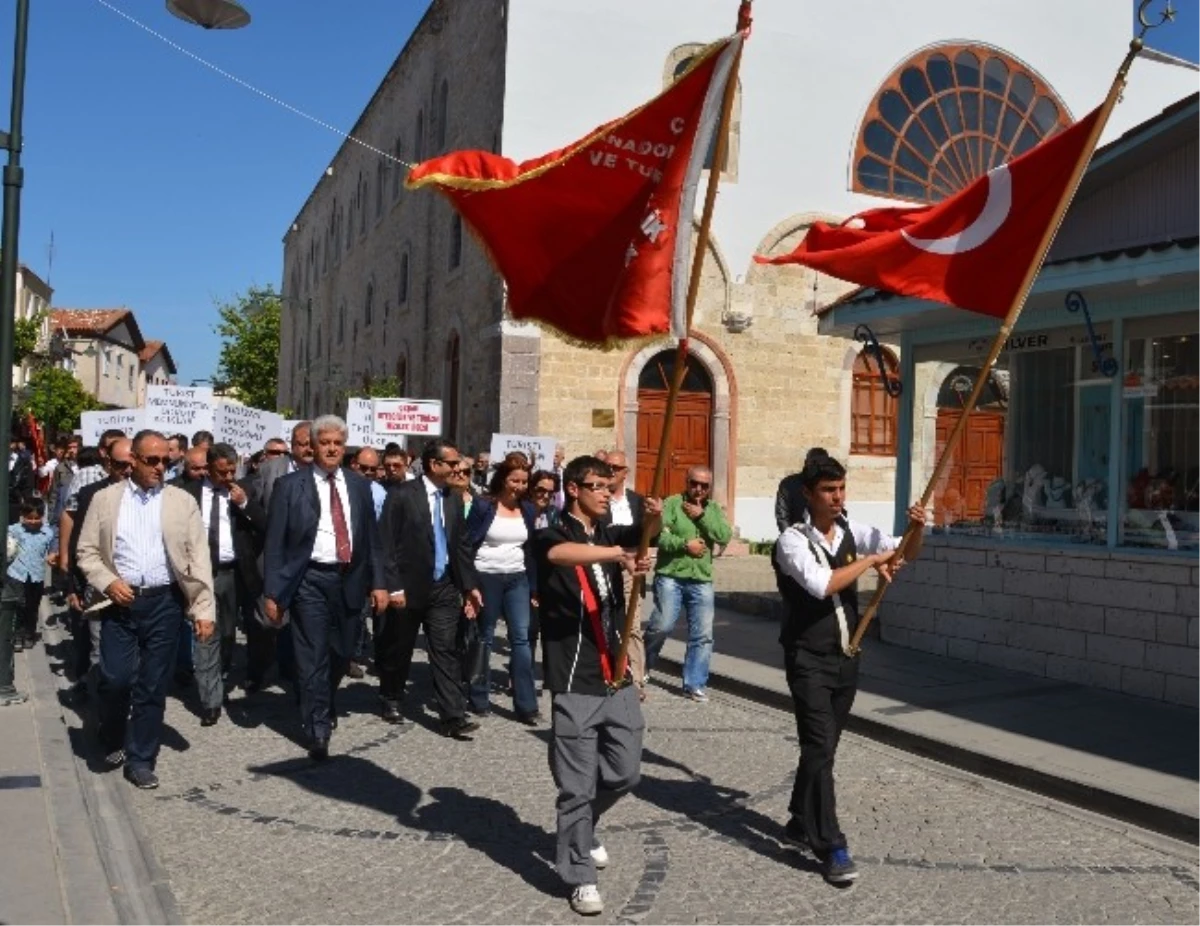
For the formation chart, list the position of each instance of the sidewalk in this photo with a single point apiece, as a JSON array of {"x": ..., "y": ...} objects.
[{"x": 1118, "y": 755}]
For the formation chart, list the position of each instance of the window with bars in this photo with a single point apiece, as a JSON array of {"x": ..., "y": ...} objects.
[
  {"x": 873, "y": 412},
  {"x": 947, "y": 116}
]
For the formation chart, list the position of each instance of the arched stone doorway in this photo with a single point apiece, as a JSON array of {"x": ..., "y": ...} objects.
[
  {"x": 691, "y": 439},
  {"x": 710, "y": 370}
]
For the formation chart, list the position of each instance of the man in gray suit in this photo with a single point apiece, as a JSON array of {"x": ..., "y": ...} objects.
[{"x": 264, "y": 640}]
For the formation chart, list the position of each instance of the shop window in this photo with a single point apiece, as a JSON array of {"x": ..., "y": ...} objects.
[
  {"x": 948, "y": 115},
  {"x": 1161, "y": 443},
  {"x": 873, "y": 412}
]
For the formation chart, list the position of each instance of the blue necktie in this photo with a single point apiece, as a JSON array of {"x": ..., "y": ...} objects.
[{"x": 439, "y": 539}]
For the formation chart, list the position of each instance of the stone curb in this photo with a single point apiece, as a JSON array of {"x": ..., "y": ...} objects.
[
  {"x": 120, "y": 862},
  {"x": 1148, "y": 816}
]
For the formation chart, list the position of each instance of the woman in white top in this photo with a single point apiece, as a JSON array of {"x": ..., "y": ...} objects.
[{"x": 499, "y": 536}]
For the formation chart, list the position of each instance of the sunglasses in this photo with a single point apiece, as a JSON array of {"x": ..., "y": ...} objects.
[
  {"x": 699, "y": 485},
  {"x": 274, "y": 453},
  {"x": 120, "y": 464},
  {"x": 541, "y": 492},
  {"x": 595, "y": 486},
  {"x": 163, "y": 461}
]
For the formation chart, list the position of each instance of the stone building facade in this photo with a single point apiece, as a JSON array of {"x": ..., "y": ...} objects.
[{"x": 380, "y": 282}]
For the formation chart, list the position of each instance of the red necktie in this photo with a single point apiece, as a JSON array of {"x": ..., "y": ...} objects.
[{"x": 341, "y": 534}]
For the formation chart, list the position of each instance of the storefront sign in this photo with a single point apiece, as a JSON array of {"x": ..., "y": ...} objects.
[
  {"x": 540, "y": 450},
  {"x": 93, "y": 424},
  {"x": 394, "y": 417},
  {"x": 179, "y": 409},
  {"x": 247, "y": 429}
]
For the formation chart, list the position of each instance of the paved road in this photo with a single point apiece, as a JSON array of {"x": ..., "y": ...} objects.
[{"x": 416, "y": 828}]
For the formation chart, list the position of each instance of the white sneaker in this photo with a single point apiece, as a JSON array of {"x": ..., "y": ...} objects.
[
  {"x": 585, "y": 900},
  {"x": 600, "y": 856},
  {"x": 696, "y": 694}
]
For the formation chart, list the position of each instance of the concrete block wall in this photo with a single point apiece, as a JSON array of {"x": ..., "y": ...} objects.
[{"x": 1115, "y": 620}]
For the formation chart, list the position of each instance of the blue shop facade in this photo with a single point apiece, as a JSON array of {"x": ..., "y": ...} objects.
[{"x": 1067, "y": 527}]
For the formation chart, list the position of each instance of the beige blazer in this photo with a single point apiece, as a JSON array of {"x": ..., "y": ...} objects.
[{"x": 183, "y": 536}]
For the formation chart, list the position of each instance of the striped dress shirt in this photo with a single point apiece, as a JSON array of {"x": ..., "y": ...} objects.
[
  {"x": 84, "y": 477},
  {"x": 139, "y": 554}
]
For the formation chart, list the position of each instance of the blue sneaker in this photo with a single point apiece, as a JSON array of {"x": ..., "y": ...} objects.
[{"x": 840, "y": 867}]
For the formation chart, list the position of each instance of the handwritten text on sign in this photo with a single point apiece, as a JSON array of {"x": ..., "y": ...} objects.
[
  {"x": 358, "y": 423},
  {"x": 406, "y": 416},
  {"x": 179, "y": 409},
  {"x": 247, "y": 429},
  {"x": 93, "y": 424}
]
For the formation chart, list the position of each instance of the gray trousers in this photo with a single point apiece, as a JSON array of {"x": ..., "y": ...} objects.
[
  {"x": 595, "y": 757},
  {"x": 213, "y": 656}
]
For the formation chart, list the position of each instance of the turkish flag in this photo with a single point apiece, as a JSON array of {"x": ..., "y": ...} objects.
[
  {"x": 971, "y": 250},
  {"x": 594, "y": 239}
]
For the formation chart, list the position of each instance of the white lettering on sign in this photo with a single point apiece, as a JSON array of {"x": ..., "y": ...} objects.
[
  {"x": 247, "y": 429},
  {"x": 179, "y": 409},
  {"x": 393, "y": 417}
]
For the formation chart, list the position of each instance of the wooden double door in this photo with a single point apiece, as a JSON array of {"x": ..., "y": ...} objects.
[
  {"x": 691, "y": 437},
  {"x": 979, "y": 461}
]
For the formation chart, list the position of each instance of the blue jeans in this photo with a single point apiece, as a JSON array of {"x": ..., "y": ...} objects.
[
  {"x": 670, "y": 596},
  {"x": 137, "y": 651},
  {"x": 507, "y": 594}
]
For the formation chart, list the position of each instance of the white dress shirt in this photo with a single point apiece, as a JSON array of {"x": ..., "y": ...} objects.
[
  {"x": 796, "y": 558},
  {"x": 325, "y": 545},
  {"x": 139, "y": 554},
  {"x": 430, "y": 491},
  {"x": 620, "y": 511},
  {"x": 225, "y": 551}
]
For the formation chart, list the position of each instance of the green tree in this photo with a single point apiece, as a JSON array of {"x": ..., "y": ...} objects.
[
  {"x": 26, "y": 332},
  {"x": 249, "y": 361},
  {"x": 384, "y": 387},
  {"x": 56, "y": 399}
]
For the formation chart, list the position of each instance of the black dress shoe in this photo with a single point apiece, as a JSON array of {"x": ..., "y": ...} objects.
[
  {"x": 141, "y": 778},
  {"x": 319, "y": 750},
  {"x": 459, "y": 728},
  {"x": 389, "y": 710},
  {"x": 251, "y": 685},
  {"x": 209, "y": 716},
  {"x": 184, "y": 678},
  {"x": 531, "y": 719}
]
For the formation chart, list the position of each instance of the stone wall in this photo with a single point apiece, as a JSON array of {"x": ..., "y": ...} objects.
[
  {"x": 336, "y": 350},
  {"x": 1116, "y": 620}
]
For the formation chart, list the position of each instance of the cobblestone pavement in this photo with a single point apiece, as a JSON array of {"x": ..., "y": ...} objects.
[{"x": 412, "y": 827}]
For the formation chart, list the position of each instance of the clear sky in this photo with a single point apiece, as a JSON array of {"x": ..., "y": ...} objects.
[{"x": 167, "y": 186}]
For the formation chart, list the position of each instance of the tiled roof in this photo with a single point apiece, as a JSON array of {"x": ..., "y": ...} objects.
[
  {"x": 93, "y": 321},
  {"x": 153, "y": 348}
]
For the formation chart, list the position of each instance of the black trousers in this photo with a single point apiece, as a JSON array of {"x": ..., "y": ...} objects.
[
  {"x": 823, "y": 687},
  {"x": 397, "y": 637},
  {"x": 323, "y": 636},
  {"x": 21, "y": 601}
]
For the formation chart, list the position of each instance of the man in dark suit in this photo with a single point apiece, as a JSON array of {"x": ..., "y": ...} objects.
[
  {"x": 234, "y": 525},
  {"x": 264, "y": 640},
  {"x": 321, "y": 561},
  {"x": 427, "y": 571},
  {"x": 790, "y": 504}
]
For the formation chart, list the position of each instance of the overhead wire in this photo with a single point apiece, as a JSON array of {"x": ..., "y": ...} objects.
[{"x": 249, "y": 86}]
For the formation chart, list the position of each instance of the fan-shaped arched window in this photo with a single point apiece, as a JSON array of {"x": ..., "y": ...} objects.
[
  {"x": 948, "y": 115},
  {"x": 873, "y": 411}
]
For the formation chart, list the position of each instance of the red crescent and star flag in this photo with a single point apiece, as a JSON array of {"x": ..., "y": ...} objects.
[
  {"x": 971, "y": 250},
  {"x": 595, "y": 239}
]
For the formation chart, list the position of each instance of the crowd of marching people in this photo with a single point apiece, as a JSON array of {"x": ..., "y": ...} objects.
[{"x": 330, "y": 559}]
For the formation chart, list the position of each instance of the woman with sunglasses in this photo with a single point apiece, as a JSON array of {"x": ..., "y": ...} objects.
[
  {"x": 459, "y": 481},
  {"x": 543, "y": 487},
  {"x": 499, "y": 537}
]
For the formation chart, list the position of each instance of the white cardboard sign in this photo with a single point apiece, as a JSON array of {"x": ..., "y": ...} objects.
[
  {"x": 540, "y": 450},
  {"x": 248, "y": 429},
  {"x": 286, "y": 426},
  {"x": 93, "y": 424},
  {"x": 393, "y": 418},
  {"x": 178, "y": 409},
  {"x": 358, "y": 423}
]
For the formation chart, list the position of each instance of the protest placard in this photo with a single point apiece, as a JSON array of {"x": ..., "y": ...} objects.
[
  {"x": 392, "y": 418},
  {"x": 93, "y": 424},
  {"x": 247, "y": 429},
  {"x": 540, "y": 450},
  {"x": 178, "y": 409},
  {"x": 286, "y": 426},
  {"x": 358, "y": 423}
]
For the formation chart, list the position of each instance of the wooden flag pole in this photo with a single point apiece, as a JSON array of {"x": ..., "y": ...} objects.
[
  {"x": 681, "y": 354},
  {"x": 1114, "y": 95}
]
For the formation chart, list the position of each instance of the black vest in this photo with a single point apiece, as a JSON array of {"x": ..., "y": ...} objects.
[{"x": 810, "y": 622}]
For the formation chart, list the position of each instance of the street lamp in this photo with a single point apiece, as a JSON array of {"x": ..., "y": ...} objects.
[{"x": 210, "y": 14}]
